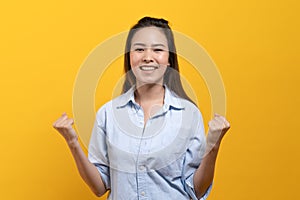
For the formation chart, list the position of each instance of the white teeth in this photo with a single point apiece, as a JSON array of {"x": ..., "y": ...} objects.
[{"x": 148, "y": 68}]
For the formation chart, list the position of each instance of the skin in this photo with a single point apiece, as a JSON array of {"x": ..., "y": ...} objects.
[
  {"x": 88, "y": 171},
  {"x": 149, "y": 48},
  {"x": 204, "y": 175}
]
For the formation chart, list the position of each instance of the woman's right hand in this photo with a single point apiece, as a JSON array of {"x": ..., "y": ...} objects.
[{"x": 64, "y": 126}]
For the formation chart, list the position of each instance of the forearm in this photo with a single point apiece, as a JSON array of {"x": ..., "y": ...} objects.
[
  {"x": 87, "y": 170},
  {"x": 204, "y": 175}
]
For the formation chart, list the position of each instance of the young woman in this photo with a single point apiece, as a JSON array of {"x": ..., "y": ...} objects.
[{"x": 149, "y": 142}]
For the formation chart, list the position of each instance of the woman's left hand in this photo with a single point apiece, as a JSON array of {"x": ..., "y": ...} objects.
[{"x": 218, "y": 126}]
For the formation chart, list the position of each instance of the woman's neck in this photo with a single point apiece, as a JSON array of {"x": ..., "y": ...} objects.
[{"x": 150, "y": 93}]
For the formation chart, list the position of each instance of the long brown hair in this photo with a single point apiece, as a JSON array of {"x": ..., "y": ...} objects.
[{"x": 171, "y": 76}]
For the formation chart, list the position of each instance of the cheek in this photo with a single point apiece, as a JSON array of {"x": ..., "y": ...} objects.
[
  {"x": 134, "y": 59},
  {"x": 163, "y": 58}
]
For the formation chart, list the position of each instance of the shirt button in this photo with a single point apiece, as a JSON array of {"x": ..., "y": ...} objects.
[
  {"x": 143, "y": 193},
  {"x": 142, "y": 167}
]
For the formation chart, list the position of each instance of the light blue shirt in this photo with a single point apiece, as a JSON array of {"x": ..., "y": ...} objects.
[{"x": 156, "y": 160}]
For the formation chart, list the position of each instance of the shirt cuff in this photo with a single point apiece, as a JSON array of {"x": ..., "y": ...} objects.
[
  {"x": 103, "y": 171},
  {"x": 189, "y": 183}
]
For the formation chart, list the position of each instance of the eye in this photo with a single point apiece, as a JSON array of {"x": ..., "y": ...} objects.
[
  {"x": 157, "y": 49},
  {"x": 139, "y": 49}
]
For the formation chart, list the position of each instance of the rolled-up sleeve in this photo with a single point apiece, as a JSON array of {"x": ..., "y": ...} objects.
[
  {"x": 190, "y": 189},
  {"x": 97, "y": 151},
  {"x": 193, "y": 158}
]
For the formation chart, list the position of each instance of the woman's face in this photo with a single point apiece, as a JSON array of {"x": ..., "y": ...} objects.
[{"x": 149, "y": 56}]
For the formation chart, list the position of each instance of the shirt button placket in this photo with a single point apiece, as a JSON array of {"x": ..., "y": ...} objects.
[
  {"x": 142, "y": 170},
  {"x": 141, "y": 174}
]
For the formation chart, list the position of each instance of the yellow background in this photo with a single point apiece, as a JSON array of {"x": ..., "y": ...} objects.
[{"x": 255, "y": 45}]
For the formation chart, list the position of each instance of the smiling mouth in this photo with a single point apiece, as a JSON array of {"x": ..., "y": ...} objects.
[{"x": 148, "y": 67}]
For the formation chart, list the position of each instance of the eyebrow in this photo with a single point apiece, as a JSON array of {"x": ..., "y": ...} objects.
[{"x": 153, "y": 45}]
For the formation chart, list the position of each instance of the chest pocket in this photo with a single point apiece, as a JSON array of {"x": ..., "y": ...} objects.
[{"x": 173, "y": 170}]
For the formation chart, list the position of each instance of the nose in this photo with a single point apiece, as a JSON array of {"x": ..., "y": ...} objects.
[{"x": 147, "y": 56}]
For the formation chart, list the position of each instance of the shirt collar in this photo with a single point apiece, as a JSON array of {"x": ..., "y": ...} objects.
[{"x": 171, "y": 100}]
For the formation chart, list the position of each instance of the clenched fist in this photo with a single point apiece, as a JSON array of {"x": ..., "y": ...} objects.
[
  {"x": 64, "y": 126},
  {"x": 218, "y": 126}
]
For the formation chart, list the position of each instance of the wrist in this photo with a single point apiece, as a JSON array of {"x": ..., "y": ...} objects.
[
  {"x": 211, "y": 148},
  {"x": 73, "y": 144}
]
